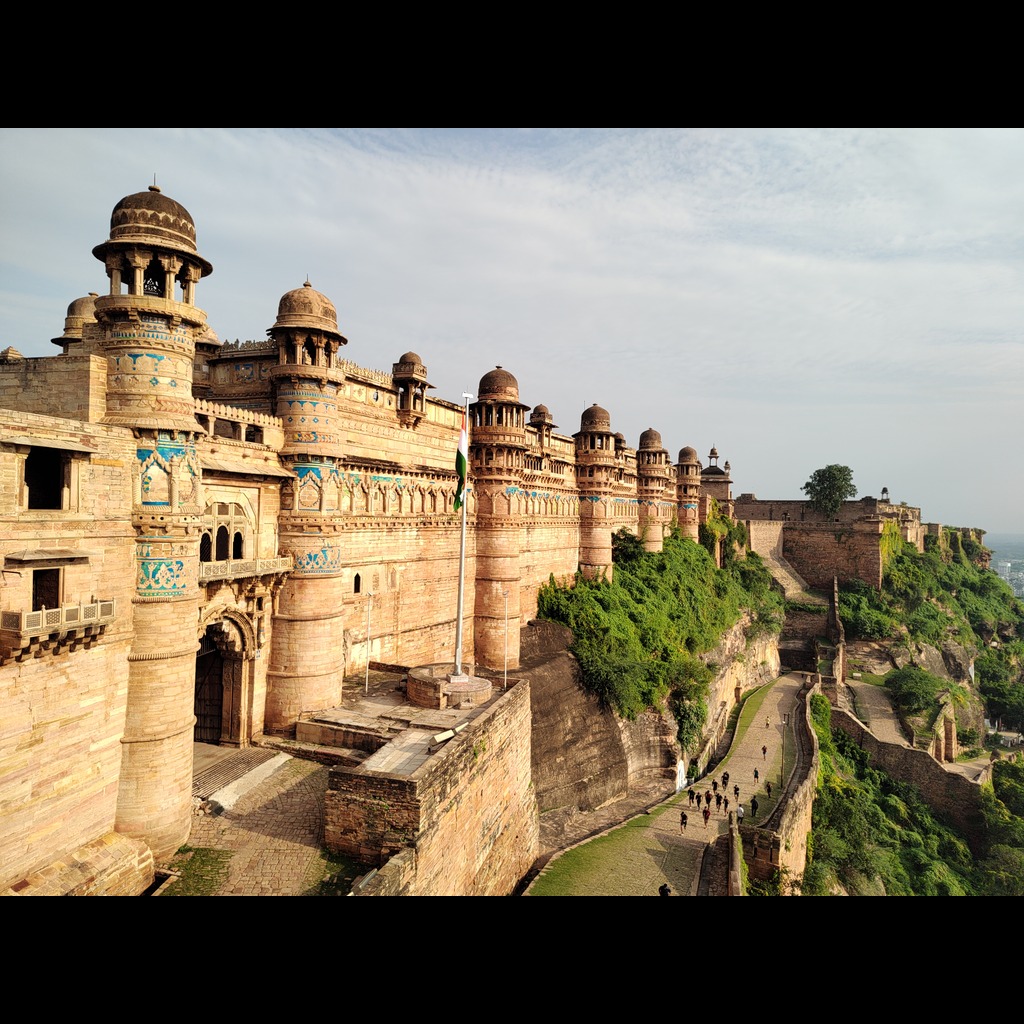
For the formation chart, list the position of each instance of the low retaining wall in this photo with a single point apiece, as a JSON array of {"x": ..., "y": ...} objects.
[
  {"x": 462, "y": 824},
  {"x": 952, "y": 796}
]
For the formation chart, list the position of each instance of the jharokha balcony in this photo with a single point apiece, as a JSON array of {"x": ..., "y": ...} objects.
[
  {"x": 70, "y": 627},
  {"x": 238, "y": 568}
]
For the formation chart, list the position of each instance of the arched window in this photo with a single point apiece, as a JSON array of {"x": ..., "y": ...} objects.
[
  {"x": 236, "y": 547},
  {"x": 357, "y": 584},
  {"x": 205, "y": 548},
  {"x": 223, "y": 543}
]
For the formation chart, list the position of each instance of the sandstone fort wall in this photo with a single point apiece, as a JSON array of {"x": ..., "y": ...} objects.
[{"x": 468, "y": 816}]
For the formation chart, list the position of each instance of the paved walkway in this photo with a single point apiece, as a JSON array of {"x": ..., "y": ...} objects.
[
  {"x": 636, "y": 858},
  {"x": 272, "y": 827}
]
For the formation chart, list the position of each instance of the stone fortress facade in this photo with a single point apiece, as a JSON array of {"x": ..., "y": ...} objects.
[{"x": 200, "y": 540}]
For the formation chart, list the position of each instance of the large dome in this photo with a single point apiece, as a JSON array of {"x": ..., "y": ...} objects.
[
  {"x": 154, "y": 220},
  {"x": 650, "y": 438},
  {"x": 596, "y": 418},
  {"x": 305, "y": 307},
  {"x": 687, "y": 454},
  {"x": 499, "y": 384}
]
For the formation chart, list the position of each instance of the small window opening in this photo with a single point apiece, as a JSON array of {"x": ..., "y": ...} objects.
[
  {"x": 45, "y": 470},
  {"x": 45, "y": 589},
  {"x": 357, "y": 584}
]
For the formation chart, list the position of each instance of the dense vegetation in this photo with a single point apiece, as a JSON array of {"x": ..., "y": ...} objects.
[
  {"x": 943, "y": 595},
  {"x": 639, "y": 638},
  {"x": 872, "y": 835}
]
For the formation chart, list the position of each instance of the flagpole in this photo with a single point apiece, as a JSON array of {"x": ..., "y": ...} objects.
[{"x": 463, "y": 438}]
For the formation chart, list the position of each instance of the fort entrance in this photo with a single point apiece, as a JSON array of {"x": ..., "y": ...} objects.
[{"x": 224, "y": 683}]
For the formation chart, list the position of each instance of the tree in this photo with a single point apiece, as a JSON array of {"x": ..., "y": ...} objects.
[{"x": 828, "y": 488}]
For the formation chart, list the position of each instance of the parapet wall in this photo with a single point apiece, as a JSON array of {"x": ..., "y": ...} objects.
[
  {"x": 821, "y": 551},
  {"x": 463, "y": 824},
  {"x": 784, "y": 847},
  {"x": 951, "y": 795},
  {"x": 74, "y": 387}
]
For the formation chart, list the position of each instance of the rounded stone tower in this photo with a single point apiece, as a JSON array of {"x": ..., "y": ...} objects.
[
  {"x": 688, "y": 492},
  {"x": 653, "y": 476},
  {"x": 308, "y": 660},
  {"x": 596, "y": 473},
  {"x": 147, "y": 326},
  {"x": 497, "y": 455}
]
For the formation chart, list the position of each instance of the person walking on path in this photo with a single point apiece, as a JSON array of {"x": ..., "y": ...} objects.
[
  {"x": 718, "y": 801},
  {"x": 768, "y": 788},
  {"x": 714, "y": 786},
  {"x": 707, "y": 798},
  {"x": 707, "y": 814},
  {"x": 725, "y": 778},
  {"x": 764, "y": 752},
  {"x": 757, "y": 775},
  {"x": 768, "y": 722},
  {"x": 689, "y": 793},
  {"x": 664, "y": 889},
  {"x": 753, "y": 807},
  {"x": 725, "y": 805},
  {"x": 682, "y": 821},
  {"x": 739, "y": 813},
  {"x": 736, "y": 791}
]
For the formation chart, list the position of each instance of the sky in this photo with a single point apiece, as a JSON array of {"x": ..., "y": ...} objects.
[{"x": 794, "y": 297}]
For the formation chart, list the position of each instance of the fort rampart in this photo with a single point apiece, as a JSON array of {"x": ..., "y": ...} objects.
[{"x": 463, "y": 823}]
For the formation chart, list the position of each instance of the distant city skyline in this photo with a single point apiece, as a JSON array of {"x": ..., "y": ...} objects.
[{"x": 794, "y": 297}]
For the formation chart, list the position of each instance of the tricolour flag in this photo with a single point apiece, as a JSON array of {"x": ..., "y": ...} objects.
[{"x": 461, "y": 464}]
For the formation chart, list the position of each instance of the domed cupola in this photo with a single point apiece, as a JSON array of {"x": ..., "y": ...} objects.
[
  {"x": 306, "y": 381},
  {"x": 497, "y": 427},
  {"x": 410, "y": 377},
  {"x": 498, "y": 385},
  {"x": 80, "y": 312},
  {"x": 688, "y": 493},
  {"x": 652, "y": 463},
  {"x": 152, "y": 248},
  {"x": 306, "y": 332},
  {"x": 148, "y": 322},
  {"x": 596, "y": 418},
  {"x": 306, "y": 309}
]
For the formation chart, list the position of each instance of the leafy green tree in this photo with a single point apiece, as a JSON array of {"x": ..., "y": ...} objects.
[{"x": 828, "y": 488}]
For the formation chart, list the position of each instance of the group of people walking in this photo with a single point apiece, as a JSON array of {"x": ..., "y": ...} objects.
[{"x": 718, "y": 794}]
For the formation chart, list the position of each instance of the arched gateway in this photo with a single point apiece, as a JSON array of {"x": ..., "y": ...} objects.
[{"x": 225, "y": 679}]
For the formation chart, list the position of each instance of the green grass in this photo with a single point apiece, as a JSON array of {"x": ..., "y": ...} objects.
[
  {"x": 202, "y": 871},
  {"x": 332, "y": 876}
]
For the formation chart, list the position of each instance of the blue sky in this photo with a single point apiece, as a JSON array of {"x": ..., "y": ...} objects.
[{"x": 795, "y": 297}]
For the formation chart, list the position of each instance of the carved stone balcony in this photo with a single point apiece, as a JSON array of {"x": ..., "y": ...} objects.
[
  {"x": 235, "y": 569},
  {"x": 71, "y": 627}
]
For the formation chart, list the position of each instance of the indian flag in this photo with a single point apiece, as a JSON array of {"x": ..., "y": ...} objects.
[{"x": 461, "y": 464}]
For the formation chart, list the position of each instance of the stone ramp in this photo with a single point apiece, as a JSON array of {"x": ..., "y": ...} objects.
[
  {"x": 793, "y": 585},
  {"x": 213, "y": 772}
]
